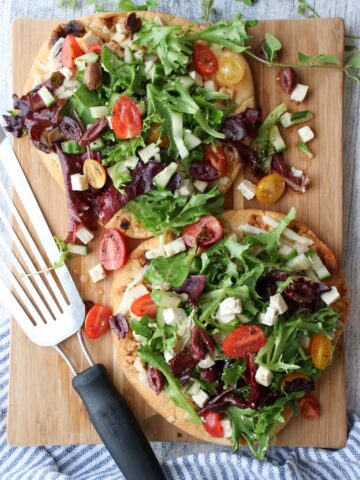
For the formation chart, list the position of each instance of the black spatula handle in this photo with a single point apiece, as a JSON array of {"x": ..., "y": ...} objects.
[{"x": 117, "y": 426}]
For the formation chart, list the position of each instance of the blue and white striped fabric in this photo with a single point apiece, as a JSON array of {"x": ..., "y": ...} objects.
[{"x": 92, "y": 462}]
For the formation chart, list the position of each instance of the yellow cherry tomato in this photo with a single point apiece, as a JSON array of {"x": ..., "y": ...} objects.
[
  {"x": 231, "y": 70},
  {"x": 270, "y": 188},
  {"x": 321, "y": 350},
  {"x": 292, "y": 376},
  {"x": 154, "y": 135},
  {"x": 95, "y": 173}
]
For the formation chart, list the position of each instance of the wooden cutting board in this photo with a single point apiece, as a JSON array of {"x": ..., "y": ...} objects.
[{"x": 43, "y": 409}]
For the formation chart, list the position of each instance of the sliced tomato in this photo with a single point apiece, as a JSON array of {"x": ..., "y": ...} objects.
[
  {"x": 205, "y": 61},
  {"x": 204, "y": 232},
  {"x": 112, "y": 251},
  {"x": 309, "y": 407},
  {"x": 95, "y": 47},
  {"x": 243, "y": 340},
  {"x": 97, "y": 321},
  {"x": 126, "y": 119},
  {"x": 70, "y": 50},
  {"x": 217, "y": 158},
  {"x": 144, "y": 306},
  {"x": 212, "y": 424}
]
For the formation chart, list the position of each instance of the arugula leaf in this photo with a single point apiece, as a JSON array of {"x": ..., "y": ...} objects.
[
  {"x": 159, "y": 210},
  {"x": 171, "y": 270},
  {"x": 173, "y": 389},
  {"x": 271, "y": 46},
  {"x": 233, "y": 373},
  {"x": 122, "y": 151}
]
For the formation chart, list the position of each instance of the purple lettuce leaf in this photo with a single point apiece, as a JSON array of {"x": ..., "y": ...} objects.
[{"x": 298, "y": 183}]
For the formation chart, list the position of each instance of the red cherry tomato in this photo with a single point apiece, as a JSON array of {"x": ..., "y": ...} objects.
[
  {"x": 309, "y": 407},
  {"x": 70, "y": 50},
  {"x": 243, "y": 340},
  {"x": 217, "y": 158},
  {"x": 95, "y": 47},
  {"x": 144, "y": 306},
  {"x": 204, "y": 232},
  {"x": 112, "y": 251},
  {"x": 205, "y": 60},
  {"x": 97, "y": 321},
  {"x": 212, "y": 424},
  {"x": 126, "y": 119}
]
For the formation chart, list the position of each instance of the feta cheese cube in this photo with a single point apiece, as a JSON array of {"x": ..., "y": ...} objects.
[
  {"x": 193, "y": 389},
  {"x": 79, "y": 182},
  {"x": 148, "y": 152},
  {"x": 269, "y": 317},
  {"x": 230, "y": 306},
  {"x": 263, "y": 376},
  {"x": 200, "y": 185},
  {"x": 306, "y": 134},
  {"x": 174, "y": 316},
  {"x": 186, "y": 187},
  {"x": 207, "y": 362},
  {"x": 225, "y": 318},
  {"x": 154, "y": 253},
  {"x": 84, "y": 235},
  {"x": 227, "y": 427},
  {"x": 299, "y": 93},
  {"x": 97, "y": 273},
  {"x": 247, "y": 189},
  {"x": 278, "y": 303},
  {"x": 108, "y": 118},
  {"x": 331, "y": 296},
  {"x": 210, "y": 85},
  {"x": 200, "y": 398},
  {"x": 304, "y": 341},
  {"x": 174, "y": 247},
  {"x": 197, "y": 77},
  {"x": 296, "y": 172}
]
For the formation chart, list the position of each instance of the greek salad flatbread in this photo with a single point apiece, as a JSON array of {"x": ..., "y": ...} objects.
[
  {"x": 142, "y": 95},
  {"x": 225, "y": 329}
]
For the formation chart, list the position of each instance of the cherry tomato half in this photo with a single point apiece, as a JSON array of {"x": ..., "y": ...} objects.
[
  {"x": 309, "y": 407},
  {"x": 126, "y": 119},
  {"x": 97, "y": 321},
  {"x": 70, "y": 50},
  {"x": 205, "y": 61},
  {"x": 112, "y": 251},
  {"x": 144, "y": 306},
  {"x": 217, "y": 158},
  {"x": 212, "y": 424},
  {"x": 95, "y": 173},
  {"x": 243, "y": 340},
  {"x": 321, "y": 350},
  {"x": 231, "y": 70},
  {"x": 270, "y": 188},
  {"x": 204, "y": 232}
]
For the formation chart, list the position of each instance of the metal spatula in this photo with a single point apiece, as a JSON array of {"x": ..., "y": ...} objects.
[{"x": 49, "y": 313}]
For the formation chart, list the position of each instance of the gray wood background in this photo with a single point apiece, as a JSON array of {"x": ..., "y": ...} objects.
[{"x": 350, "y": 11}]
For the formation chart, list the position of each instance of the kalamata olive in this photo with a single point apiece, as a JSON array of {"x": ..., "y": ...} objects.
[
  {"x": 183, "y": 363},
  {"x": 287, "y": 79},
  {"x": 94, "y": 131},
  {"x": 201, "y": 343},
  {"x": 302, "y": 292},
  {"x": 119, "y": 325},
  {"x": 93, "y": 76},
  {"x": 204, "y": 171},
  {"x": 132, "y": 24},
  {"x": 210, "y": 374},
  {"x": 70, "y": 129},
  {"x": 156, "y": 379}
]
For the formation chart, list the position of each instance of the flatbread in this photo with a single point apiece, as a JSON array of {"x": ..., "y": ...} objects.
[
  {"x": 126, "y": 349},
  {"x": 244, "y": 97}
]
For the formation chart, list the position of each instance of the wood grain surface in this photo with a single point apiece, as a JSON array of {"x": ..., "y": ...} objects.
[{"x": 43, "y": 409}]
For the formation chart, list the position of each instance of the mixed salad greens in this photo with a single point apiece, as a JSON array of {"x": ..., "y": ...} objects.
[{"x": 233, "y": 327}]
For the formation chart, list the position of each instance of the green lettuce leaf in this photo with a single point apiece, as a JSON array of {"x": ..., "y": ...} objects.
[
  {"x": 172, "y": 270},
  {"x": 122, "y": 150},
  {"x": 233, "y": 373}
]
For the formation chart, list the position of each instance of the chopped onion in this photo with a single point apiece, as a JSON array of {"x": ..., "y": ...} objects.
[
  {"x": 251, "y": 229},
  {"x": 288, "y": 233},
  {"x": 56, "y": 49}
]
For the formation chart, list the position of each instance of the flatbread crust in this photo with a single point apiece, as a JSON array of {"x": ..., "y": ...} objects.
[
  {"x": 126, "y": 349},
  {"x": 244, "y": 97}
]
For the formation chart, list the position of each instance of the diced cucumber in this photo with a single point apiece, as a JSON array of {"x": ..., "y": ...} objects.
[
  {"x": 77, "y": 249},
  {"x": 304, "y": 149},
  {"x": 163, "y": 178},
  {"x": 84, "y": 60},
  {"x": 310, "y": 273},
  {"x": 71, "y": 147},
  {"x": 157, "y": 74},
  {"x": 177, "y": 124},
  {"x": 263, "y": 133},
  {"x": 196, "y": 155},
  {"x": 289, "y": 119},
  {"x": 97, "y": 144},
  {"x": 99, "y": 112},
  {"x": 276, "y": 139},
  {"x": 113, "y": 99},
  {"x": 321, "y": 271},
  {"x": 128, "y": 55},
  {"x": 190, "y": 140},
  {"x": 166, "y": 299},
  {"x": 46, "y": 96},
  {"x": 148, "y": 152},
  {"x": 299, "y": 263}
]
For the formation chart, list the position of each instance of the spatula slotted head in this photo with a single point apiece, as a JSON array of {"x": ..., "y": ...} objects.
[{"x": 46, "y": 305}]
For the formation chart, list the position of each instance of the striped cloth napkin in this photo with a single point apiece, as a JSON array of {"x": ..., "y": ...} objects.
[{"x": 92, "y": 462}]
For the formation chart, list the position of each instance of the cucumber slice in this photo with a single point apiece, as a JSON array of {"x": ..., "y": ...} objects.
[
  {"x": 77, "y": 249},
  {"x": 163, "y": 178},
  {"x": 321, "y": 271},
  {"x": 289, "y": 119},
  {"x": 46, "y": 96},
  {"x": 304, "y": 149},
  {"x": 310, "y": 273},
  {"x": 190, "y": 140},
  {"x": 299, "y": 263},
  {"x": 164, "y": 299},
  {"x": 99, "y": 112},
  {"x": 71, "y": 147},
  {"x": 97, "y": 144},
  {"x": 84, "y": 60},
  {"x": 276, "y": 139}
]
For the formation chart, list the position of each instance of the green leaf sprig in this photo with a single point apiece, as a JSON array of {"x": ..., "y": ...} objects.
[
  {"x": 207, "y": 7},
  {"x": 64, "y": 255}
]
